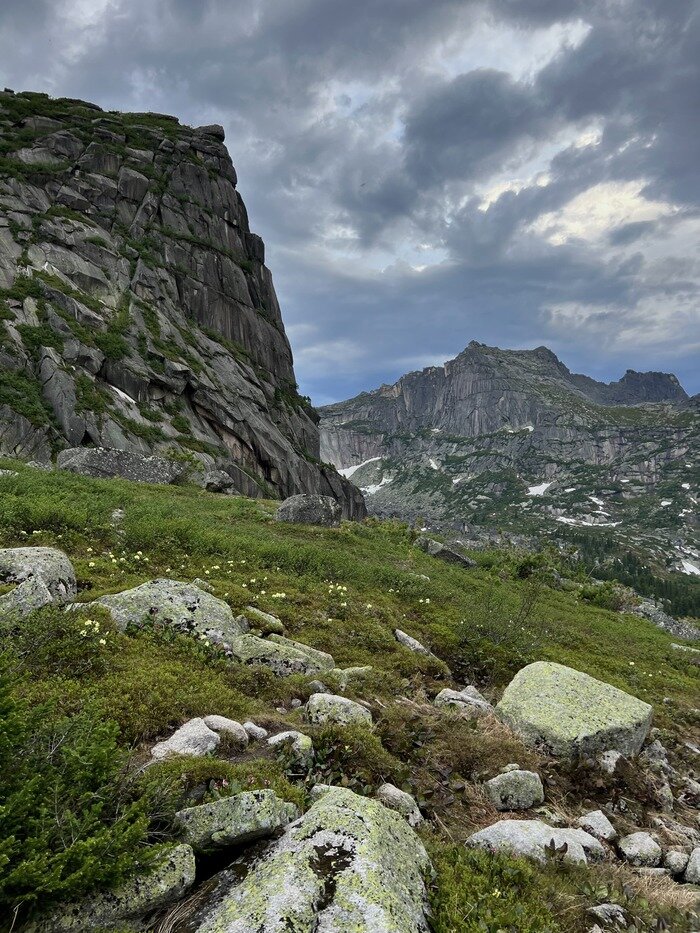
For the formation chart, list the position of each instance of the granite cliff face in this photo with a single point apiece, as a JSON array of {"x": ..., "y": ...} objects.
[
  {"x": 513, "y": 439},
  {"x": 137, "y": 310}
]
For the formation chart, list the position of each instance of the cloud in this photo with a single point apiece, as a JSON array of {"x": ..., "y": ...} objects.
[{"x": 519, "y": 172}]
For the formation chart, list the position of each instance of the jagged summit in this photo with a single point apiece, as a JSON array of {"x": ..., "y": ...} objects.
[{"x": 137, "y": 310}]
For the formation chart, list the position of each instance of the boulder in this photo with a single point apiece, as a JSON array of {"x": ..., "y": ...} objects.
[
  {"x": 299, "y": 746},
  {"x": 403, "y": 803},
  {"x": 676, "y": 861},
  {"x": 306, "y": 509},
  {"x": 530, "y": 839},
  {"x": 640, "y": 849},
  {"x": 692, "y": 871},
  {"x": 282, "y": 656},
  {"x": 609, "y": 914},
  {"x": 218, "y": 481},
  {"x": 229, "y": 729},
  {"x": 25, "y": 598},
  {"x": 567, "y": 713},
  {"x": 110, "y": 463},
  {"x": 345, "y": 676},
  {"x": 412, "y": 643},
  {"x": 46, "y": 569},
  {"x": 597, "y": 824},
  {"x": 445, "y": 552},
  {"x": 349, "y": 864},
  {"x": 327, "y": 707},
  {"x": 265, "y": 621},
  {"x": 171, "y": 878},
  {"x": 181, "y": 605},
  {"x": 467, "y": 701},
  {"x": 234, "y": 820},
  {"x": 193, "y": 738},
  {"x": 515, "y": 790},
  {"x": 255, "y": 733}
]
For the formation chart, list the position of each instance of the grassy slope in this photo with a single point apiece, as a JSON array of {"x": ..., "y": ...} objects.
[{"x": 151, "y": 682}]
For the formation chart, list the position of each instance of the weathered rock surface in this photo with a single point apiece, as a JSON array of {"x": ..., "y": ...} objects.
[
  {"x": 281, "y": 655},
  {"x": 568, "y": 713},
  {"x": 397, "y": 799},
  {"x": 412, "y": 643},
  {"x": 467, "y": 701},
  {"x": 445, "y": 552},
  {"x": 597, "y": 824},
  {"x": 515, "y": 790},
  {"x": 327, "y": 707},
  {"x": 530, "y": 838},
  {"x": 170, "y": 602},
  {"x": 640, "y": 849},
  {"x": 192, "y": 738},
  {"x": 692, "y": 871},
  {"x": 254, "y": 732},
  {"x": 349, "y": 864},
  {"x": 235, "y": 734},
  {"x": 305, "y": 509},
  {"x": 299, "y": 746},
  {"x": 164, "y": 331},
  {"x": 107, "y": 463},
  {"x": 108, "y": 910},
  {"x": 234, "y": 820},
  {"x": 42, "y": 575}
]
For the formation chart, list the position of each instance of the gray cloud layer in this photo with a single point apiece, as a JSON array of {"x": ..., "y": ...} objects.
[{"x": 513, "y": 171}]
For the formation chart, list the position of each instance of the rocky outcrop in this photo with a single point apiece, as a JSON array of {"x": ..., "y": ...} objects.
[
  {"x": 235, "y": 820},
  {"x": 348, "y": 864},
  {"x": 309, "y": 510},
  {"x": 105, "y": 463},
  {"x": 137, "y": 311},
  {"x": 568, "y": 713},
  {"x": 43, "y": 575},
  {"x": 532, "y": 838}
]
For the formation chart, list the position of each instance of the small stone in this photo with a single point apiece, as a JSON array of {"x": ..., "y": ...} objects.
[
  {"x": 317, "y": 686},
  {"x": 232, "y": 730},
  {"x": 640, "y": 849},
  {"x": 412, "y": 643},
  {"x": 327, "y": 707},
  {"x": 597, "y": 824},
  {"x": 510, "y": 767},
  {"x": 468, "y": 701},
  {"x": 255, "y": 733},
  {"x": 193, "y": 738},
  {"x": 609, "y": 914},
  {"x": 397, "y": 799},
  {"x": 608, "y": 761},
  {"x": 203, "y": 585},
  {"x": 676, "y": 861},
  {"x": 265, "y": 621},
  {"x": 296, "y": 703},
  {"x": 515, "y": 790},
  {"x": 300, "y": 746}
]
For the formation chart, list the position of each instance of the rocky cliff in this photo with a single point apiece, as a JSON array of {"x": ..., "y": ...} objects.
[
  {"x": 136, "y": 308},
  {"x": 513, "y": 440}
]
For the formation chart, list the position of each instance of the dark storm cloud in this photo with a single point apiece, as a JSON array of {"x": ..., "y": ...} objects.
[{"x": 515, "y": 171}]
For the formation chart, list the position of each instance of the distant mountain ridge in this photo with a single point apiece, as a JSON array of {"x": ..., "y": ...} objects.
[{"x": 512, "y": 439}]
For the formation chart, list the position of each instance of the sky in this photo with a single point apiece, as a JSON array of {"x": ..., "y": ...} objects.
[{"x": 428, "y": 172}]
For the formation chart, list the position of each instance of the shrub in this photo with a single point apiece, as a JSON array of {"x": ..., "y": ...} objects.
[{"x": 353, "y": 756}]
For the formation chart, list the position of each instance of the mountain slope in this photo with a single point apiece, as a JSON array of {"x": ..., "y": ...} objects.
[
  {"x": 513, "y": 440},
  {"x": 137, "y": 311}
]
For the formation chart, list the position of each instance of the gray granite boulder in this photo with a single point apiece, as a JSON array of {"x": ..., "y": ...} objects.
[
  {"x": 515, "y": 790},
  {"x": 640, "y": 849},
  {"x": 118, "y": 909},
  {"x": 306, "y": 509},
  {"x": 692, "y": 871},
  {"x": 182, "y": 605},
  {"x": 349, "y": 864},
  {"x": 567, "y": 713},
  {"x": 254, "y": 732},
  {"x": 297, "y": 745},
  {"x": 110, "y": 463},
  {"x": 676, "y": 861},
  {"x": 412, "y": 643},
  {"x": 234, "y": 820},
  {"x": 597, "y": 824},
  {"x": 42, "y": 574},
  {"x": 467, "y": 701},
  {"x": 328, "y": 708},
  {"x": 397, "y": 799},
  {"x": 233, "y": 732},
  {"x": 192, "y": 738},
  {"x": 450, "y": 554},
  {"x": 281, "y": 655},
  {"x": 530, "y": 839}
]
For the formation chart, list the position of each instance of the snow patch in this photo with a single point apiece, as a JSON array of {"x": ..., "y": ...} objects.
[
  {"x": 371, "y": 490},
  {"x": 348, "y": 471},
  {"x": 665, "y": 502},
  {"x": 689, "y": 568},
  {"x": 538, "y": 490},
  {"x": 123, "y": 395},
  {"x": 597, "y": 501},
  {"x": 434, "y": 464},
  {"x": 570, "y": 489},
  {"x": 582, "y": 521},
  {"x": 685, "y": 485}
]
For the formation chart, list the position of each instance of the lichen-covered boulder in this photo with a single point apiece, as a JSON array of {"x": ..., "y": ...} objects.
[
  {"x": 676, "y": 861},
  {"x": 171, "y": 878},
  {"x": 640, "y": 849},
  {"x": 327, "y": 707},
  {"x": 349, "y": 865},
  {"x": 109, "y": 463},
  {"x": 597, "y": 824},
  {"x": 232, "y": 821},
  {"x": 235, "y": 734},
  {"x": 265, "y": 621},
  {"x": 567, "y": 713},
  {"x": 193, "y": 738},
  {"x": 306, "y": 509},
  {"x": 299, "y": 746},
  {"x": 450, "y": 554},
  {"x": 467, "y": 701},
  {"x": 254, "y": 732},
  {"x": 283, "y": 656},
  {"x": 181, "y": 605},
  {"x": 42, "y": 575},
  {"x": 408, "y": 641},
  {"x": 515, "y": 790},
  {"x": 397, "y": 799},
  {"x": 531, "y": 838}
]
